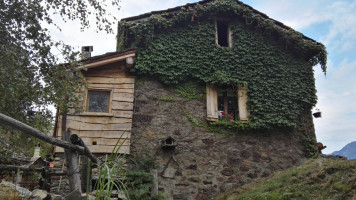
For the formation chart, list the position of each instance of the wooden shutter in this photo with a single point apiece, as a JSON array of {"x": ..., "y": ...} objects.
[
  {"x": 212, "y": 103},
  {"x": 242, "y": 103}
]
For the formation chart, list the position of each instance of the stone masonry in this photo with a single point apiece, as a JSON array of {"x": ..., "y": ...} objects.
[{"x": 204, "y": 164}]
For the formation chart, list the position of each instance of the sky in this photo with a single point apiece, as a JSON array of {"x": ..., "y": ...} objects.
[{"x": 331, "y": 22}]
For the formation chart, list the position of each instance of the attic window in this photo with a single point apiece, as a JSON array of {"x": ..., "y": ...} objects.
[
  {"x": 223, "y": 33},
  {"x": 98, "y": 101}
]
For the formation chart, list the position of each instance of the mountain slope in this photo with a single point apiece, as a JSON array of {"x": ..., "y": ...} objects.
[
  {"x": 315, "y": 179},
  {"x": 348, "y": 151}
]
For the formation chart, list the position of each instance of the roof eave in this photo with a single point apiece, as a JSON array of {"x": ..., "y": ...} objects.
[{"x": 104, "y": 60}]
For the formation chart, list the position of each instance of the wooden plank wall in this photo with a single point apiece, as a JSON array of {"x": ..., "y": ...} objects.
[{"x": 101, "y": 132}]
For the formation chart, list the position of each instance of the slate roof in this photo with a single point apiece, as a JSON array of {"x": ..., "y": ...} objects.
[{"x": 179, "y": 8}]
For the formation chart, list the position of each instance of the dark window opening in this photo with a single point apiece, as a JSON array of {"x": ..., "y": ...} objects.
[
  {"x": 98, "y": 101},
  {"x": 227, "y": 103},
  {"x": 223, "y": 33},
  {"x": 94, "y": 143}
]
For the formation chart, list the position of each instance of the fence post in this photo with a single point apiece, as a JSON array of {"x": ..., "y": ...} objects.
[
  {"x": 72, "y": 165},
  {"x": 86, "y": 175}
]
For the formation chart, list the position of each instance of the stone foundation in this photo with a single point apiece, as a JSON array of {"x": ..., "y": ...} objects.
[{"x": 204, "y": 164}]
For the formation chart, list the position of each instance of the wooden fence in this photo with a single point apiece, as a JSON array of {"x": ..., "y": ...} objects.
[{"x": 72, "y": 144}]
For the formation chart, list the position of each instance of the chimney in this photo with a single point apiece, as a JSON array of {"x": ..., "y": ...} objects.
[{"x": 86, "y": 52}]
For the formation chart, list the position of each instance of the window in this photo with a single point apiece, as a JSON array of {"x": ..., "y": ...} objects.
[
  {"x": 98, "y": 101},
  {"x": 226, "y": 103},
  {"x": 223, "y": 37}
]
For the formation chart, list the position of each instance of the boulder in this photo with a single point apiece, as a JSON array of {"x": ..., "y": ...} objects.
[
  {"x": 38, "y": 194},
  {"x": 10, "y": 191}
]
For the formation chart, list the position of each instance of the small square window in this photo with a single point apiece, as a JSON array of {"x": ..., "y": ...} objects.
[{"x": 98, "y": 101}]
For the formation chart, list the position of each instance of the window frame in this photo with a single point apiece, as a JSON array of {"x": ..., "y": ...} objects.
[
  {"x": 229, "y": 33},
  {"x": 86, "y": 112},
  {"x": 212, "y": 104}
]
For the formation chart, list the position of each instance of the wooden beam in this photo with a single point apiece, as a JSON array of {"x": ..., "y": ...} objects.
[
  {"x": 98, "y": 120},
  {"x": 108, "y": 61},
  {"x": 82, "y": 126},
  {"x": 112, "y": 86},
  {"x": 103, "y": 134},
  {"x": 51, "y": 140},
  {"x": 104, "y": 80},
  {"x": 25, "y": 168},
  {"x": 36, "y": 133}
]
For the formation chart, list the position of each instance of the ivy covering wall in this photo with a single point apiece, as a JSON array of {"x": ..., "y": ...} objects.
[{"x": 276, "y": 66}]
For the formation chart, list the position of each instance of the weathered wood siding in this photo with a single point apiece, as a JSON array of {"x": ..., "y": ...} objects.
[{"x": 102, "y": 131}]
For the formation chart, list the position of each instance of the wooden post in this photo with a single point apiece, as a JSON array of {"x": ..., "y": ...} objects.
[
  {"x": 72, "y": 165},
  {"x": 154, "y": 189},
  {"x": 86, "y": 174}
]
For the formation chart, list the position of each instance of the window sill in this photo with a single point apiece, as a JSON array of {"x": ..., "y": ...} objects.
[
  {"x": 96, "y": 114},
  {"x": 223, "y": 47},
  {"x": 212, "y": 119},
  {"x": 220, "y": 120}
]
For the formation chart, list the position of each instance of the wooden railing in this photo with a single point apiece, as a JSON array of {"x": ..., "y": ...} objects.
[{"x": 72, "y": 144}]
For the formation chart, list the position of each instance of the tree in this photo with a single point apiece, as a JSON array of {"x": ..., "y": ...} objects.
[{"x": 30, "y": 75}]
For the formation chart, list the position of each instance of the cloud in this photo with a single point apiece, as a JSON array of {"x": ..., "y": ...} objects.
[
  {"x": 103, "y": 42},
  {"x": 337, "y": 101},
  {"x": 297, "y": 14},
  {"x": 334, "y": 24},
  {"x": 137, "y": 7},
  {"x": 302, "y": 14}
]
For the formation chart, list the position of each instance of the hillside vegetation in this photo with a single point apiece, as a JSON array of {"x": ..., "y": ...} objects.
[{"x": 315, "y": 179}]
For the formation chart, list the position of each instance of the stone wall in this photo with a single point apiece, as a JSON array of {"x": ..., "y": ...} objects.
[{"x": 203, "y": 163}]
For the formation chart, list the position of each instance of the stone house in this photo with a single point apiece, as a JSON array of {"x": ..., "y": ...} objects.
[{"x": 216, "y": 92}]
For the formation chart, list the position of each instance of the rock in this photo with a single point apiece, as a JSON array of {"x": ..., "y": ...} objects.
[
  {"x": 56, "y": 197},
  {"x": 10, "y": 191},
  {"x": 38, "y": 194},
  {"x": 192, "y": 167},
  {"x": 333, "y": 157},
  {"x": 227, "y": 172},
  {"x": 75, "y": 195}
]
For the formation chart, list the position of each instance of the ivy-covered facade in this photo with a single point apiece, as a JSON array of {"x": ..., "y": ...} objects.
[
  {"x": 180, "y": 57},
  {"x": 274, "y": 61}
]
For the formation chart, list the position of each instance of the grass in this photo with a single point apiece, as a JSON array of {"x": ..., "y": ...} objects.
[
  {"x": 109, "y": 175},
  {"x": 316, "y": 179}
]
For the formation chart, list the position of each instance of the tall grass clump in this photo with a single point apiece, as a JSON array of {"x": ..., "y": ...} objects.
[{"x": 110, "y": 174}]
